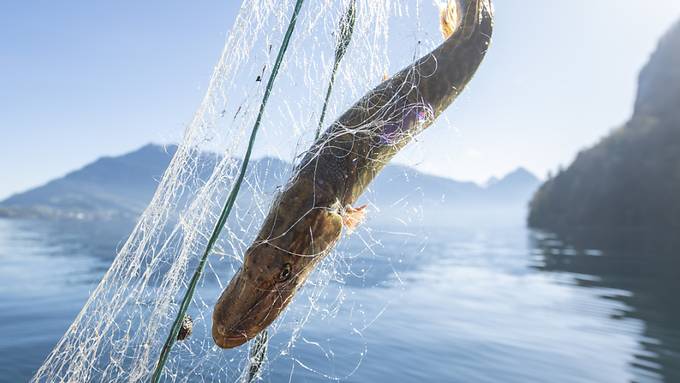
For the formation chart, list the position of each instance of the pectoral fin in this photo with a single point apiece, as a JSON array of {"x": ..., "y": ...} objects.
[{"x": 352, "y": 217}]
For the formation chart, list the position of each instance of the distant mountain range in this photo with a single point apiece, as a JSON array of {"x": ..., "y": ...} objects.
[
  {"x": 631, "y": 178},
  {"x": 122, "y": 186}
]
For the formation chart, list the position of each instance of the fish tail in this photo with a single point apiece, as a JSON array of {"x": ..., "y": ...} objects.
[{"x": 448, "y": 18}]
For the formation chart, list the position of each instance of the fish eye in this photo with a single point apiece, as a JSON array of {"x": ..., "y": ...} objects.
[{"x": 285, "y": 273}]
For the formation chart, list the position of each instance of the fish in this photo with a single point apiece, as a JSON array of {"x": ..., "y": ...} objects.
[{"x": 315, "y": 208}]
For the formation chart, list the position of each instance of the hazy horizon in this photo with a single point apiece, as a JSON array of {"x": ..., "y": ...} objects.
[{"x": 483, "y": 183}]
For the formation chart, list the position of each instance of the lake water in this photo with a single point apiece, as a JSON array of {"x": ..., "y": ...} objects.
[{"x": 448, "y": 304}]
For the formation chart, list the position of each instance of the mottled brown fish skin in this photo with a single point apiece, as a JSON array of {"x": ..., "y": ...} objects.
[{"x": 306, "y": 219}]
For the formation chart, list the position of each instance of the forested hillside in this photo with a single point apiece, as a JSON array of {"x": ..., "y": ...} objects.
[{"x": 631, "y": 178}]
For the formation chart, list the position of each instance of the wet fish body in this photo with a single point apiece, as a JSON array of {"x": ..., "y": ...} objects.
[{"x": 309, "y": 216}]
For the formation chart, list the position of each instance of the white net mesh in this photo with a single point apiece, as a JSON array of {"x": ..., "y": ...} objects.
[{"x": 120, "y": 331}]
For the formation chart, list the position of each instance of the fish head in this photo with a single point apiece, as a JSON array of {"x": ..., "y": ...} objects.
[
  {"x": 257, "y": 294},
  {"x": 273, "y": 270}
]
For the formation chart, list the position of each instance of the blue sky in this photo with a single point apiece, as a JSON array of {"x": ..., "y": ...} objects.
[{"x": 81, "y": 79}]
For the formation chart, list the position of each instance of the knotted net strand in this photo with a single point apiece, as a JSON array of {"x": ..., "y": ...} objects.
[{"x": 119, "y": 333}]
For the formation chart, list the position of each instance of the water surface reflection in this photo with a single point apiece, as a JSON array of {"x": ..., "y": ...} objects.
[
  {"x": 640, "y": 269},
  {"x": 453, "y": 304}
]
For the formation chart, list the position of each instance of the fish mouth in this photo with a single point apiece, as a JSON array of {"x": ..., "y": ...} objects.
[
  {"x": 230, "y": 342},
  {"x": 245, "y": 308}
]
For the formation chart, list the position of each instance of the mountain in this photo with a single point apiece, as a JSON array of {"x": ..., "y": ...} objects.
[
  {"x": 120, "y": 187},
  {"x": 631, "y": 178},
  {"x": 107, "y": 187}
]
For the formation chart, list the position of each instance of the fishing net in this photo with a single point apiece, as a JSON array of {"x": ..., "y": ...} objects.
[{"x": 119, "y": 334}]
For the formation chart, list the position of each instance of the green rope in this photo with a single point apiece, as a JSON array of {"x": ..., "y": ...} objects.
[
  {"x": 344, "y": 37},
  {"x": 230, "y": 201}
]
